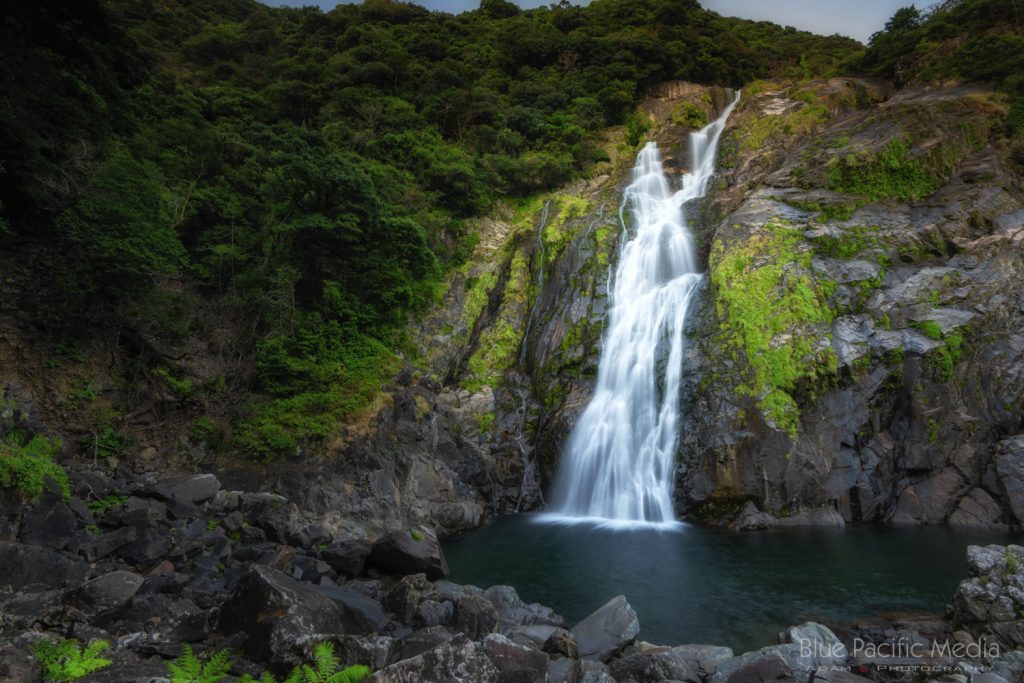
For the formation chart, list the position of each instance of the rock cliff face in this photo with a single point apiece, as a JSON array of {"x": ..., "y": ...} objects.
[
  {"x": 857, "y": 352},
  {"x": 859, "y": 345}
]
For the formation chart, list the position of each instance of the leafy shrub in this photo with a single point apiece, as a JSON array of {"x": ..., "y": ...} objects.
[
  {"x": 25, "y": 465},
  {"x": 67, "y": 660}
]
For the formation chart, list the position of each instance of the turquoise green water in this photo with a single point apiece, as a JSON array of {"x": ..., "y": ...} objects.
[{"x": 697, "y": 585}]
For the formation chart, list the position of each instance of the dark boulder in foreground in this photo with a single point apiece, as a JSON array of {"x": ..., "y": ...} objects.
[
  {"x": 410, "y": 551},
  {"x": 21, "y": 565},
  {"x": 607, "y": 630},
  {"x": 277, "y": 614},
  {"x": 495, "y": 659},
  {"x": 989, "y": 604}
]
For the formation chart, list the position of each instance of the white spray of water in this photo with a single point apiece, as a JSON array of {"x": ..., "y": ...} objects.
[{"x": 618, "y": 465}]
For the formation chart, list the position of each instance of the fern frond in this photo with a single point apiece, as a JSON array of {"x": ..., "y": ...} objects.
[
  {"x": 217, "y": 667},
  {"x": 327, "y": 662},
  {"x": 185, "y": 669},
  {"x": 353, "y": 674}
]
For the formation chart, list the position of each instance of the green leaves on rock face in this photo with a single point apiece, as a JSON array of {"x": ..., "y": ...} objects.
[
  {"x": 766, "y": 302},
  {"x": 889, "y": 174},
  {"x": 26, "y": 464}
]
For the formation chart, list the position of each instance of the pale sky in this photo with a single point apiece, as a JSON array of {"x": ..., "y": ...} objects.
[{"x": 855, "y": 19}]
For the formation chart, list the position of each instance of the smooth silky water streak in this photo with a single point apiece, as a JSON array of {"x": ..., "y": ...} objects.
[{"x": 619, "y": 461}]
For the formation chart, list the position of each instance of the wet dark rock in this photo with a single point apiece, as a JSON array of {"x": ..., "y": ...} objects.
[
  {"x": 512, "y": 611},
  {"x": 359, "y": 614},
  {"x": 494, "y": 660},
  {"x": 404, "y": 597},
  {"x": 653, "y": 666},
  {"x": 989, "y": 603},
  {"x": 418, "y": 642},
  {"x": 760, "y": 668},
  {"x": 1010, "y": 470},
  {"x": 277, "y": 613},
  {"x": 347, "y": 557},
  {"x": 433, "y": 613},
  {"x": 18, "y": 665},
  {"x": 191, "y": 489},
  {"x": 475, "y": 616},
  {"x": 21, "y": 565},
  {"x": 410, "y": 551},
  {"x": 978, "y": 510},
  {"x": 515, "y": 663},
  {"x": 607, "y": 630},
  {"x": 50, "y": 523},
  {"x": 108, "y": 591},
  {"x": 98, "y": 547}
]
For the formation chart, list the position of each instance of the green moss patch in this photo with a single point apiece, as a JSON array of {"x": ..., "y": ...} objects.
[
  {"x": 891, "y": 173},
  {"x": 767, "y": 305}
]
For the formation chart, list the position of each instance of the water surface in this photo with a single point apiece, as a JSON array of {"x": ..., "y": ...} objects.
[{"x": 698, "y": 585}]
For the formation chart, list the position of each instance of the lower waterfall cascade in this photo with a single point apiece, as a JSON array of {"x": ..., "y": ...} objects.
[{"x": 618, "y": 464}]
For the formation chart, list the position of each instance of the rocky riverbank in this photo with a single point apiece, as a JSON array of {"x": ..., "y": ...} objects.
[{"x": 153, "y": 565}]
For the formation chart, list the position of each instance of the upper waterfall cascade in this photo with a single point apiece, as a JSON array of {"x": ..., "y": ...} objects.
[{"x": 618, "y": 464}]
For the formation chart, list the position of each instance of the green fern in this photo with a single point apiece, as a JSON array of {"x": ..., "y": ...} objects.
[
  {"x": 325, "y": 669},
  {"x": 265, "y": 678},
  {"x": 188, "y": 668},
  {"x": 67, "y": 661}
]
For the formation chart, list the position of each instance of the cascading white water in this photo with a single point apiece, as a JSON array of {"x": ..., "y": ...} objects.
[{"x": 619, "y": 461}]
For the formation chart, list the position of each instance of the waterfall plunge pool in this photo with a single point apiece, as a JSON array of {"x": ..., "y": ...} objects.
[{"x": 700, "y": 585}]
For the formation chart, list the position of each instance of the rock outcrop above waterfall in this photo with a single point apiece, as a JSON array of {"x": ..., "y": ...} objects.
[{"x": 858, "y": 347}]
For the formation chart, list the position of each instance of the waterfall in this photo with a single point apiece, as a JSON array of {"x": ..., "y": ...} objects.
[{"x": 619, "y": 461}]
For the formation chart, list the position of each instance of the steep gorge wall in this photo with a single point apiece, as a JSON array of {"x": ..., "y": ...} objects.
[{"x": 858, "y": 349}]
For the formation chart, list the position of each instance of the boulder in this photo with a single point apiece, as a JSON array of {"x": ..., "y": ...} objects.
[
  {"x": 191, "y": 489},
  {"x": 410, "y": 551},
  {"x": 515, "y": 662},
  {"x": 750, "y": 518},
  {"x": 105, "y": 544},
  {"x": 433, "y": 613},
  {"x": 703, "y": 659},
  {"x": 768, "y": 665},
  {"x": 49, "y": 523},
  {"x": 372, "y": 651},
  {"x": 989, "y": 604},
  {"x": 108, "y": 591},
  {"x": 21, "y": 565},
  {"x": 817, "y": 645},
  {"x": 18, "y": 665},
  {"x": 607, "y": 630},
  {"x": 360, "y": 614},
  {"x": 167, "y": 619},
  {"x": 652, "y": 666},
  {"x": 512, "y": 611},
  {"x": 278, "y": 615},
  {"x": 458, "y": 660},
  {"x": 475, "y": 616},
  {"x": 1010, "y": 471},
  {"x": 418, "y": 642},
  {"x": 977, "y": 510},
  {"x": 496, "y": 659},
  {"x": 347, "y": 557}
]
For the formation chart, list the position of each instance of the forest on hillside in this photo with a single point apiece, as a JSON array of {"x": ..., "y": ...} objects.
[{"x": 303, "y": 179}]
